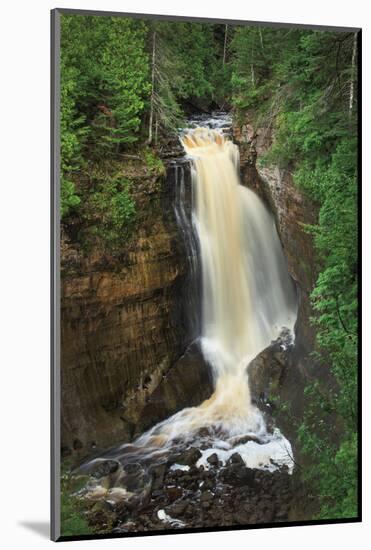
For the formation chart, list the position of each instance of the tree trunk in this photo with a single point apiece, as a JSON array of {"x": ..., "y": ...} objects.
[
  {"x": 153, "y": 88},
  {"x": 352, "y": 75},
  {"x": 156, "y": 131},
  {"x": 252, "y": 67},
  {"x": 225, "y": 44},
  {"x": 261, "y": 39}
]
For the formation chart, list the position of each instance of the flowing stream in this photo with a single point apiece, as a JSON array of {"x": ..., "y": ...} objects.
[{"x": 247, "y": 300}]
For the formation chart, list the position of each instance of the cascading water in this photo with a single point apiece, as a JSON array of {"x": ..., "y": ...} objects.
[{"x": 248, "y": 299}]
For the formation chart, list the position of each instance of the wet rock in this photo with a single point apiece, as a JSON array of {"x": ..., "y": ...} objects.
[
  {"x": 133, "y": 485},
  {"x": 237, "y": 475},
  {"x": 207, "y": 496},
  {"x": 158, "y": 474},
  {"x": 240, "y": 518},
  {"x": 188, "y": 457},
  {"x": 95, "y": 492},
  {"x": 122, "y": 325},
  {"x": 203, "y": 433},
  {"x": 177, "y": 509},
  {"x": 293, "y": 210},
  {"x": 173, "y": 493},
  {"x": 101, "y": 506},
  {"x": 129, "y": 526},
  {"x": 103, "y": 468},
  {"x": 266, "y": 373},
  {"x": 245, "y": 439},
  {"x": 208, "y": 484},
  {"x": 213, "y": 460},
  {"x": 235, "y": 459},
  {"x": 117, "y": 495},
  {"x": 134, "y": 478},
  {"x": 281, "y": 515}
]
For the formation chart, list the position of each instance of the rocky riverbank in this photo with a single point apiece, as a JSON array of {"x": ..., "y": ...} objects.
[{"x": 179, "y": 495}]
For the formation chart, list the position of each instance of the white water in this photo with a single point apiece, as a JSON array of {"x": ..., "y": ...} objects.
[
  {"x": 247, "y": 295},
  {"x": 248, "y": 298}
]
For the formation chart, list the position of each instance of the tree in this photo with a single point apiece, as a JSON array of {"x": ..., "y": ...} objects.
[
  {"x": 111, "y": 68},
  {"x": 123, "y": 84},
  {"x": 303, "y": 84},
  {"x": 165, "y": 113}
]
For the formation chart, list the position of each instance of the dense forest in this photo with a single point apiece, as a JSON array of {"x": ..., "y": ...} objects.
[{"x": 127, "y": 86}]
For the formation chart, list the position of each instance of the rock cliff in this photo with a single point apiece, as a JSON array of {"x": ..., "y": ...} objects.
[{"x": 123, "y": 330}]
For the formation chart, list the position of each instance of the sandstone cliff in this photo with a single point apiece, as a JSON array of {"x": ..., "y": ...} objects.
[{"x": 123, "y": 330}]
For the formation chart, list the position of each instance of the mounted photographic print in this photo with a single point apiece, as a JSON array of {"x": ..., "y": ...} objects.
[{"x": 205, "y": 298}]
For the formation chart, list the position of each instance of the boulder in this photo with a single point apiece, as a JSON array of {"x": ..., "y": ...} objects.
[
  {"x": 103, "y": 468},
  {"x": 189, "y": 457},
  {"x": 213, "y": 460}
]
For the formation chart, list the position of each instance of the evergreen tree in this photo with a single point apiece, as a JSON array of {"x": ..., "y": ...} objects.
[
  {"x": 165, "y": 113},
  {"x": 111, "y": 76},
  {"x": 303, "y": 84},
  {"x": 123, "y": 86}
]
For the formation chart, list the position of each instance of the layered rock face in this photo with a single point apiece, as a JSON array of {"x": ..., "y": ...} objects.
[{"x": 123, "y": 329}]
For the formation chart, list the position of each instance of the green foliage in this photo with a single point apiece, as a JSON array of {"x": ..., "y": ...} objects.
[
  {"x": 69, "y": 199},
  {"x": 194, "y": 51},
  {"x": 333, "y": 476},
  {"x": 245, "y": 77},
  {"x": 123, "y": 81},
  {"x": 120, "y": 75},
  {"x": 300, "y": 84},
  {"x": 186, "y": 67},
  {"x": 109, "y": 212},
  {"x": 108, "y": 74},
  {"x": 73, "y": 516},
  {"x": 72, "y": 132},
  {"x": 123, "y": 78},
  {"x": 72, "y": 520},
  {"x": 334, "y": 300},
  {"x": 153, "y": 163},
  {"x": 165, "y": 114}
]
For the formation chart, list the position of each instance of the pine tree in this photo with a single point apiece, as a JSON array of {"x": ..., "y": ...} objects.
[{"x": 165, "y": 113}]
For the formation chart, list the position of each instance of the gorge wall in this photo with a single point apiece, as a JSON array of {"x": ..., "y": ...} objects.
[{"x": 123, "y": 330}]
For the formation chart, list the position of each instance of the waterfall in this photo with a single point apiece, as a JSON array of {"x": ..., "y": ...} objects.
[
  {"x": 248, "y": 297},
  {"x": 247, "y": 294},
  {"x": 247, "y": 300}
]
